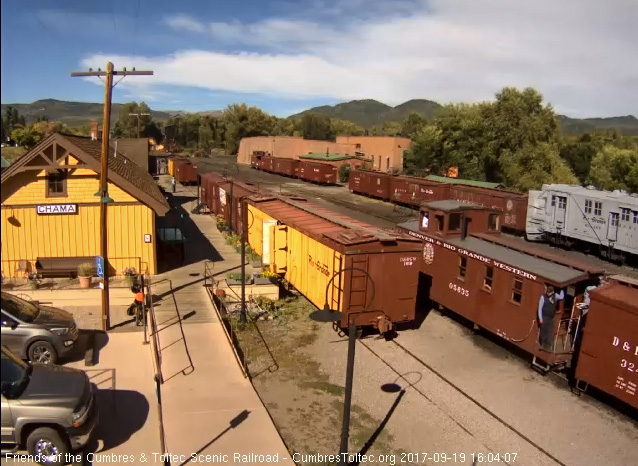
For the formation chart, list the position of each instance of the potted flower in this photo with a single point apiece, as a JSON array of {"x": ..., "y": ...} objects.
[
  {"x": 266, "y": 278},
  {"x": 235, "y": 279},
  {"x": 34, "y": 279},
  {"x": 85, "y": 272},
  {"x": 130, "y": 275}
]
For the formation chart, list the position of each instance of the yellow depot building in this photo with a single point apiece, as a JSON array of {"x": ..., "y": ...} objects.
[{"x": 50, "y": 211}]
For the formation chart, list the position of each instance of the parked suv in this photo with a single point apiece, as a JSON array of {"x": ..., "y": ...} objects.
[
  {"x": 35, "y": 332},
  {"x": 48, "y": 410}
]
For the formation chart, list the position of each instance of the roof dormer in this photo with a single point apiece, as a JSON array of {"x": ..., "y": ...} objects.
[{"x": 449, "y": 218}]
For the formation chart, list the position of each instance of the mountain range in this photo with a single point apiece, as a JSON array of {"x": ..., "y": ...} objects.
[{"x": 366, "y": 113}]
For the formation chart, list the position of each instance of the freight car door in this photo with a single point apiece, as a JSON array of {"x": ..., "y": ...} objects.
[
  {"x": 265, "y": 241},
  {"x": 279, "y": 248}
]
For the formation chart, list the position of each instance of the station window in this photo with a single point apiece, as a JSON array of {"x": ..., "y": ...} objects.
[
  {"x": 517, "y": 291},
  {"x": 598, "y": 208},
  {"x": 462, "y": 266},
  {"x": 624, "y": 214},
  {"x": 56, "y": 184},
  {"x": 439, "y": 221},
  {"x": 455, "y": 222},
  {"x": 588, "y": 205},
  {"x": 489, "y": 277},
  {"x": 492, "y": 222}
]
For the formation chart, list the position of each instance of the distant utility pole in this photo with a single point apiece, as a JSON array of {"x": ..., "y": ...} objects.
[
  {"x": 138, "y": 115},
  {"x": 103, "y": 191}
]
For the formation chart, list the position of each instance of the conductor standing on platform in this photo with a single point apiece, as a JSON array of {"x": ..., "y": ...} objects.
[
  {"x": 173, "y": 184},
  {"x": 547, "y": 306}
]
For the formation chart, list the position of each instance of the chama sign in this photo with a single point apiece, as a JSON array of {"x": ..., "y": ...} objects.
[{"x": 57, "y": 209}]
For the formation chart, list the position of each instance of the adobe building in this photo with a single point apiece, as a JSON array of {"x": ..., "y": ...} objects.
[
  {"x": 384, "y": 153},
  {"x": 49, "y": 208}
]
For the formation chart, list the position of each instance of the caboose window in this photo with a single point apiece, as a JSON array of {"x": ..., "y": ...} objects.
[
  {"x": 598, "y": 208},
  {"x": 588, "y": 207},
  {"x": 562, "y": 202},
  {"x": 624, "y": 214},
  {"x": 455, "y": 222},
  {"x": 492, "y": 222},
  {"x": 439, "y": 221},
  {"x": 517, "y": 291},
  {"x": 487, "y": 280},
  {"x": 462, "y": 266},
  {"x": 425, "y": 221}
]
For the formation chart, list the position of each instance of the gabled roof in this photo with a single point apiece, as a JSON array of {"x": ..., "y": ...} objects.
[{"x": 122, "y": 172}]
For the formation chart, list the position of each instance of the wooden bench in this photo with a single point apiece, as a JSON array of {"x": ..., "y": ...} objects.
[{"x": 61, "y": 267}]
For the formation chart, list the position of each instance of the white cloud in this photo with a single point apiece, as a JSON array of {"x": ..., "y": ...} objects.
[
  {"x": 184, "y": 23},
  {"x": 581, "y": 54}
]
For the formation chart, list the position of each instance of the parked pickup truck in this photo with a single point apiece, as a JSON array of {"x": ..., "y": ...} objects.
[{"x": 48, "y": 410}]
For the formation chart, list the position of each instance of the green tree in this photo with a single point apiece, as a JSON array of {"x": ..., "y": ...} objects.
[
  {"x": 127, "y": 121},
  {"x": 241, "y": 121},
  {"x": 316, "y": 126},
  {"x": 206, "y": 135},
  {"x": 614, "y": 168},
  {"x": 412, "y": 125},
  {"x": 345, "y": 128},
  {"x": 26, "y": 137},
  {"x": 425, "y": 152},
  {"x": 534, "y": 165}
]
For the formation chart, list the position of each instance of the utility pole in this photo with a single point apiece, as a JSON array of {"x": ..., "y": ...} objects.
[
  {"x": 103, "y": 191},
  {"x": 138, "y": 115}
]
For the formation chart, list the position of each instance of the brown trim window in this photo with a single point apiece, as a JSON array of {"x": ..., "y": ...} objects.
[
  {"x": 56, "y": 184},
  {"x": 462, "y": 267},
  {"x": 517, "y": 291},
  {"x": 492, "y": 222},
  {"x": 488, "y": 278},
  {"x": 439, "y": 222}
]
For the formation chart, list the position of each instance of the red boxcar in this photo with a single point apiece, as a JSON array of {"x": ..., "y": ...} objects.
[
  {"x": 267, "y": 164},
  {"x": 318, "y": 172},
  {"x": 414, "y": 191},
  {"x": 208, "y": 182},
  {"x": 285, "y": 166},
  {"x": 494, "y": 286},
  {"x": 608, "y": 355},
  {"x": 370, "y": 183},
  {"x": 185, "y": 172},
  {"x": 512, "y": 204},
  {"x": 228, "y": 196}
]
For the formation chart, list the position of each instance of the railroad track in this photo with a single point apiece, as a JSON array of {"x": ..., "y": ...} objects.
[{"x": 462, "y": 392}]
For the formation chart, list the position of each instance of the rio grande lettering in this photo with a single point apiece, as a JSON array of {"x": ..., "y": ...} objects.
[{"x": 322, "y": 268}]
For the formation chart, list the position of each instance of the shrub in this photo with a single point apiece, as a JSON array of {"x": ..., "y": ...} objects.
[
  {"x": 344, "y": 172},
  {"x": 86, "y": 270}
]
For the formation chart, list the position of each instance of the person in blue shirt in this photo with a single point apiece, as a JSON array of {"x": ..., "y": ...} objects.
[{"x": 547, "y": 306}]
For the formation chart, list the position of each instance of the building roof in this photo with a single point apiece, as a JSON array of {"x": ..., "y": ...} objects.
[
  {"x": 618, "y": 294},
  {"x": 122, "y": 172},
  {"x": 480, "y": 184},
  {"x": 550, "y": 271},
  {"x": 330, "y": 157},
  {"x": 5, "y": 164},
  {"x": 450, "y": 205},
  {"x": 135, "y": 149}
]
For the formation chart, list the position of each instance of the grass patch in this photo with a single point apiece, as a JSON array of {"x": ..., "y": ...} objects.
[{"x": 11, "y": 154}]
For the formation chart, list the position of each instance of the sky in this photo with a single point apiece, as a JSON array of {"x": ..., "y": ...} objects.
[{"x": 285, "y": 56}]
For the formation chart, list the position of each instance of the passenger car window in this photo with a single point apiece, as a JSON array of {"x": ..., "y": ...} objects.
[{"x": 19, "y": 308}]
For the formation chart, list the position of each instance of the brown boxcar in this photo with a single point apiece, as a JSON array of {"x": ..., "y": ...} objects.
[
  {"x": 414, "y": 191},
  {"x": 512, "y": 204},
  {"x": 608, "y": 355},
  {"x": 318, "y": 172},
  {"x": 267, "y": 164},
  {"x": 228, "y": 196},
  {"x": 208, "y": 182},
  {"x": 286, "y": 167},
  {"x": 185, "y": 172},
  {"x": 494, "y": 286},
  {"x": 370, "y": 183},
  {"x": 311, "y": 245}
]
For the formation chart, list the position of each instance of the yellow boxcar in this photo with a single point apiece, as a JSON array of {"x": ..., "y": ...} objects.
[
  {"x": 368, "y": 274},
  {"x": 171, "y": 167}
]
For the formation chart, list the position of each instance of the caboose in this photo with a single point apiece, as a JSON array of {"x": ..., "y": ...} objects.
[{"x": 467, "y": 269}]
